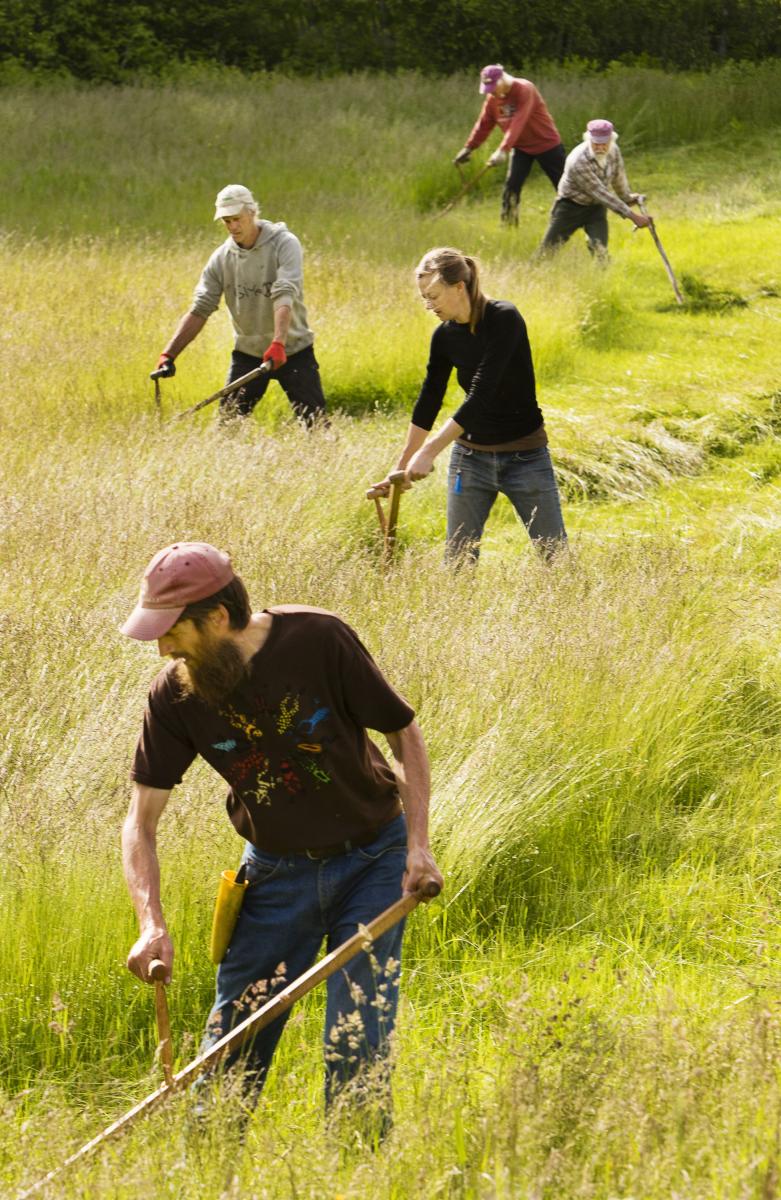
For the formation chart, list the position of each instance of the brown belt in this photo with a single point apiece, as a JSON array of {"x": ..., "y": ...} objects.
[
  {"x": 321, "y": 852},
  {"x": 531, "y": 441}
]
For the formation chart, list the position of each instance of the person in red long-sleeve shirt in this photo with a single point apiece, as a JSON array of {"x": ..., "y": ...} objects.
[{"x": 529, "y": 134}]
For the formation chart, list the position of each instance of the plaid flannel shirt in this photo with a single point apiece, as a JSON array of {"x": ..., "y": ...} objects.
[{"x": 585, "y": 182}]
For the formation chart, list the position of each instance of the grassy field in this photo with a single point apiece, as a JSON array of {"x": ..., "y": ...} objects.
[{"x": 592, "y": 1009}]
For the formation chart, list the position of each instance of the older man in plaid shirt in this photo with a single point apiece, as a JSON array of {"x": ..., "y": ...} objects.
[{"x": 594, "y": 180}]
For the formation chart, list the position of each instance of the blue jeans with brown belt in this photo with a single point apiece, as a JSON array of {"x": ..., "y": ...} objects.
[
  {"x": 525, "y": 477},
  {"x": 293, "y": 904}
]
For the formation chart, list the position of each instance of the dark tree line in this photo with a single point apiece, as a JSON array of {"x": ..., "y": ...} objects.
[{"x": 114, "y": 39}]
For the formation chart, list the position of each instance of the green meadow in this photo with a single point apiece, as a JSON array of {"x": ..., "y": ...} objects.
[{"x": 592, "y": 1009}]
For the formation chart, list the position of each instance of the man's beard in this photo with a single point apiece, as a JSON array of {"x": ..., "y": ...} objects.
[
  {"x": 601, "y": 159},
  {"x": 214, "y": 674}
]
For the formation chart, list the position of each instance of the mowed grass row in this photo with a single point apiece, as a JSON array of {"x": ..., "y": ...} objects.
[
  {"x": 590, "y": 1011},
  {"x": 634, "y": 391},
  {"x": 113, "y": 158}
]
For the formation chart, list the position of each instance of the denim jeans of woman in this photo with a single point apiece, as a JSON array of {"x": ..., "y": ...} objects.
[
  {"x": 294, "y": 903},
  {"x": 525, "y": 477}
]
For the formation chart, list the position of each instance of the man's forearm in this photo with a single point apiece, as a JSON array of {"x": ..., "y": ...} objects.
[
  {"x": 188, "y": 328},
  {"x": 142, "y": 873},
  {"x": 481, "y": 129},
  {"x": 281, "y": 323},
  {"x": 410, "y": 765}
]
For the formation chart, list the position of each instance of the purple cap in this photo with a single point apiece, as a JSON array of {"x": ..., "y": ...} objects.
[
  {"x": 600, "y": 131},
  {"x": 489, "y": 77},
  {"x": 177, "y": 576}
]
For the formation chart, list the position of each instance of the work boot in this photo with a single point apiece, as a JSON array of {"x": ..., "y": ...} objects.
[{"x": 510, "y": 206}]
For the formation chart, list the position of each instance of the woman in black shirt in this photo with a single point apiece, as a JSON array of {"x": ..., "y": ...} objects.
[{"x": 498, "y": 431}]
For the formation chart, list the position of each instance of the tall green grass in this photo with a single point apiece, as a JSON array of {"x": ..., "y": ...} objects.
[
  {"x": 590, "y": 1010},
  {"x": 96, "y": 161}
]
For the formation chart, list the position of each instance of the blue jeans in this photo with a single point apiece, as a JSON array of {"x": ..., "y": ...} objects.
[
  {"x": 525, "y": 477},
  {"x": 291, "y": 905}
]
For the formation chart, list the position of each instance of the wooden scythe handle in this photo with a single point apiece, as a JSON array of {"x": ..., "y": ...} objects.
[{"x": 157, "y": 972}]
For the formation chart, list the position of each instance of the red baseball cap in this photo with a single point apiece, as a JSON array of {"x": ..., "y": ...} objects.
[{"x": 177, "y": 576}]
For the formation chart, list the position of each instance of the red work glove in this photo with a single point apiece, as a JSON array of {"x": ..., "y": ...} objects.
[
  {"x": 276, "y": 352},
  {"x": 165, "y": 367}
]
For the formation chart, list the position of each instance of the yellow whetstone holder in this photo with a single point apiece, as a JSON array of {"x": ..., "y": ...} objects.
[{"x": 230, "y": 895}]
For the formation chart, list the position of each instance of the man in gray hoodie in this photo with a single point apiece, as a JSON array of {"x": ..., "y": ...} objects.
[{"x": 259, "y": 270}]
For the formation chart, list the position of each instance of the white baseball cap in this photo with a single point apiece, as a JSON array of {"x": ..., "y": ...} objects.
[{"x": 231, "y": 200}]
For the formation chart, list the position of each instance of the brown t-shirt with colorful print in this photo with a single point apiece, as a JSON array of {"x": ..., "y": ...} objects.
[{"x": 290, "y": 740}]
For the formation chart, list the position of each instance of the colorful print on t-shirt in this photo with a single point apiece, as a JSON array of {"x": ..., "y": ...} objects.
[
  {"x": 291, "y": 740},
  {"x": 302, "y": 752}
]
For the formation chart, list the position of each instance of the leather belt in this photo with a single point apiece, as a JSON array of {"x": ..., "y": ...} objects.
[
  {"x": 332, "y": 851},
  {"x": 317, "y": 853}
]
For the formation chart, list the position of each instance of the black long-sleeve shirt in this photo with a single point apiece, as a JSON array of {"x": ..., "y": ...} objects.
[{"x": 494, "y": 367}]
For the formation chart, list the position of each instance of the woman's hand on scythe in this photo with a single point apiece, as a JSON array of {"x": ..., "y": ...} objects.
[{"x": 421, "y": 464}]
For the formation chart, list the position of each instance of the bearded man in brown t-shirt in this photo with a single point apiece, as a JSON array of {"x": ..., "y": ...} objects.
[{"x": 279, "y": 702}]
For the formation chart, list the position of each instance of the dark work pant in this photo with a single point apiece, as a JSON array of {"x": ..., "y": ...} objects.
[
  {"x": 299, "y": 379},
  {"x": 552, "y": 162},
  {"x": 567, "y": 216}
]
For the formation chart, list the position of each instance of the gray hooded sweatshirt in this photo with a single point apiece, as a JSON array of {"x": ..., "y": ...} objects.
[{"x": 255, "y": 283}]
